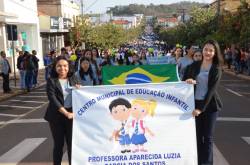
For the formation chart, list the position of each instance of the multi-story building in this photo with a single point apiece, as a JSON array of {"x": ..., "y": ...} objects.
[
  {"x": 168, "y": 22},
  {"x": 56, "y": 19},
  {"x": 125, "y": 24},
  {"x": 23, "y": 15}
]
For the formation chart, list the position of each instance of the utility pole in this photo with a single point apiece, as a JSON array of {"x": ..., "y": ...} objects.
[
  {"x": 82, "y": 10},
  {"x": 218, "y": 7},
  {"x": 218, "y": 13}
]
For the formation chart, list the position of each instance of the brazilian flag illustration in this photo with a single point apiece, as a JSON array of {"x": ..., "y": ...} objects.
[{"x": 112, "y": 75}]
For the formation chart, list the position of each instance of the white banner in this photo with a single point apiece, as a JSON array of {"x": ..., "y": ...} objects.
[{"x": 149, "y": 124}]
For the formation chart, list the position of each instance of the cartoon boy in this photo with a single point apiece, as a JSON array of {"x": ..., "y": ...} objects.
[
  {"x": 120, "y": 110},
  {"x": 140, "y": 109}
]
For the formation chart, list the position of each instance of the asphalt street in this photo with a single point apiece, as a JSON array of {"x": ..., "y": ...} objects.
[{"x": 25, "y": 137}]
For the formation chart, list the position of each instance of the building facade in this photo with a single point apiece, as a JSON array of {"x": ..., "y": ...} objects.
[
  {"x": 23, "y": 15},
  {"x": 56, "y": 18}
]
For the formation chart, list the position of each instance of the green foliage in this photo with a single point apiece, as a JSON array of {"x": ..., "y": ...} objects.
[
  {"x": 228, "y": 28},
  {"x": 105, "y": 36},
  {"x": 155, "y": 10}
]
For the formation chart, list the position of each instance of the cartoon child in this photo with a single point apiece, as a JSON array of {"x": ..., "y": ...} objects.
[
  {"x": 120, "y": 110},
  {"x": 140, "y": 109}
]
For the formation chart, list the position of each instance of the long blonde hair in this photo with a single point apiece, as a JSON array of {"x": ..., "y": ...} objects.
[{"x": 148, "y": 105}]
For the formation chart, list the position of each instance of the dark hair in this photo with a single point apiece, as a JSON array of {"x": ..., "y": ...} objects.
[
  {"x": 180, "y": 49},
  {"x": 63, "y": 49},
  {"x": 119, "y": 101},
  {"x": 54, "y": 74},
  {"x": 97, "y": 52},
  {"x": 89, "y": 71},
  {"x": 34, "y": 51},
  {"x": 217, "y": 59}
]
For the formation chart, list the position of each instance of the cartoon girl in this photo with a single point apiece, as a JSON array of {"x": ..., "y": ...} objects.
[{"x": 139, "y": 110}]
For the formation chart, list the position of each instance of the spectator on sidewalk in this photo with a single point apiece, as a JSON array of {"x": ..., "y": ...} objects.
[
  {"x": 248, "y": 61},
  {"x": 21, "y": 68},
  {"x": 29, "y": 67},
  {"x": 206, "y": 75},
  {"x": 228, "y": 57},
  {"x": 59, "y": 112},
  {"x": 36, "y": 64},
  {"x": 236, "y": 59},
  {"x": 5, "y": 72}
]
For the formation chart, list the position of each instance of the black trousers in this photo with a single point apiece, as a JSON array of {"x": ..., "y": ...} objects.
[
  {"x": 205, "y": 126},
  {"x": 61, "y": 130},
  {"x": 6, "y": 83}
]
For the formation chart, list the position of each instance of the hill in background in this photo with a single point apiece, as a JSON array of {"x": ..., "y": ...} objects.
[{"x": 154, "y": 10}]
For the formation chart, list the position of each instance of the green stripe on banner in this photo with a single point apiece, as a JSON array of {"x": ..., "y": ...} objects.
[{"x": 112, "y": 75}]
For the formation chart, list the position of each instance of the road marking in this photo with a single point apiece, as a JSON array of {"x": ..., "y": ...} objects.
[
  {"x": 247, "y": 139},
  {"x": 229, "y": 90},
  {"x": 10, "y": 115},
  {"x": 33, "y": 96},
  {"x": 25, "y": 114},
  {"x": 233, "y": 119},
  {"x": 20, "y": 151},
  {"x": 13, "y": 100},
  {"x": 218, "y": 157},
  {"x": 23, "y": 121},
  {"x": 14, "y": 106}
]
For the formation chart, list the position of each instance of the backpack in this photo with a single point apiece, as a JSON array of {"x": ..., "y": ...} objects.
[
  {"x": 30, "y": 64},
  {"x": 141, "y": 125}
]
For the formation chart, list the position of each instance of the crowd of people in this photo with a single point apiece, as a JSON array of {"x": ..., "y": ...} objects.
[
  {"x": 201, "y": 67},
  {"x": 74, "y": 67},
  {"x": 239, "y": 58},
  {"x": 28, "y": 66}
]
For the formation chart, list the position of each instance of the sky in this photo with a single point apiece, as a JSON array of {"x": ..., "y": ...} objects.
[{"x": 100, "y": 6}]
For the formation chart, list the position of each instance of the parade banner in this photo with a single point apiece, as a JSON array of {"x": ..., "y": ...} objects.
[
  {"x": 139, "y": 74},
  {"x": 146, "y": 124},
  {"x": 157, "y": 60}
]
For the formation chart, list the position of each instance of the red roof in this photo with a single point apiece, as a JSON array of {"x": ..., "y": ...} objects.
[
  {"x": 120, "y": 22},
  {"x": 172, "y": 19}
]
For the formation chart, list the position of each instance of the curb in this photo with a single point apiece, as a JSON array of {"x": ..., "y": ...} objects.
[
  {"x": 20, "y": 92},
  {"x": 242, "y": 76}
]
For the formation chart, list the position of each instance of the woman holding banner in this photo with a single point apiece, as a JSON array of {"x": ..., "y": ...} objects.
[
  {"x": 206, "y": 75},
  {"x": 59, "y": 112}
]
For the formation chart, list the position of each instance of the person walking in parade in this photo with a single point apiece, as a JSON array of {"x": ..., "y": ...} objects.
[
  {"x": 59, "y": 112},
  {"x": 206, "y": 75},
  {"x": 85, "y": 73}
]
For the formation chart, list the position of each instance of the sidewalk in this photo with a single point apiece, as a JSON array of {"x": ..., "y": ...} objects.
[
  {"x": 240, "y": 75},
  {"x": 16, "y": 89}
]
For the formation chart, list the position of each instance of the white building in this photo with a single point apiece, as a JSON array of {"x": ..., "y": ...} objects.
[
  {"x": 56, "y": 19},
  {"x": 24, "y": 15},
  {"x": 132, "y": 19}
]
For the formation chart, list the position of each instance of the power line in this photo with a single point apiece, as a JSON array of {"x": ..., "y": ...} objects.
[{"x": 92, "y": 4}]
